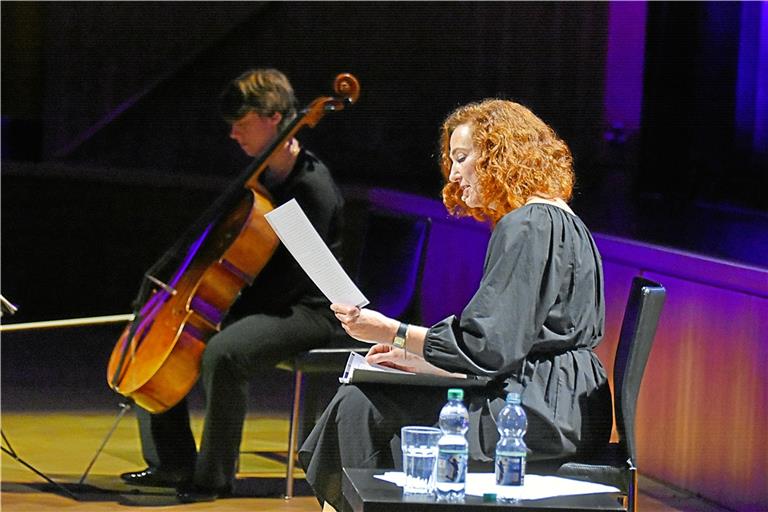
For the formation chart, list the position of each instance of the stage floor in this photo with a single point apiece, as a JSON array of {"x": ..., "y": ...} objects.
[
  {"x": 61, "y": 444},
  {"x": 57, "y": 410}
]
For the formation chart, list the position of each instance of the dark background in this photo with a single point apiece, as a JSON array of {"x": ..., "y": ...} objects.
[{"x": 112, "y": 145}]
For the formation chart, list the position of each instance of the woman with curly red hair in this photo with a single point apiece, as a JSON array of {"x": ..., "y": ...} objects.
[
  {"x": 518, "y": 157},
  {"x": 531, "y": 326}
]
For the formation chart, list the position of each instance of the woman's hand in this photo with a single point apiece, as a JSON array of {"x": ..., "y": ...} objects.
[
  {"x": 391, "y": 357},
  {"x": 387, "y": 355},
  {"x": 365, "y": 324}
]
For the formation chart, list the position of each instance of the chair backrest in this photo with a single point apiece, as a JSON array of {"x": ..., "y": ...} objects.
[
  {"x": 391, "y": 263},
  {"x": 638, "y": 329}
]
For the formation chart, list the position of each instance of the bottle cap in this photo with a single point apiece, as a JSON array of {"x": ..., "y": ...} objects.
[
  {"x": 513, "y": 398},
  {"x": 455, "y": 394}
]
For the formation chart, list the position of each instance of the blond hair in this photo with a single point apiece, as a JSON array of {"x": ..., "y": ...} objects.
[{"x": 263, "y": 91}]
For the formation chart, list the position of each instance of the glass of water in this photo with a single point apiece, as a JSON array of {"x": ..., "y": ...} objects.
[{"x": 419, "y": 458}]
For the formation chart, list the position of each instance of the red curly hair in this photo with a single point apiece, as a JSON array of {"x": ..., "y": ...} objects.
[{"x": 519, "y": 156}]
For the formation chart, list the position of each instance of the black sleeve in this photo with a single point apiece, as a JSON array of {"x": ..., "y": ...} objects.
[{"x": 498, "y": 327}]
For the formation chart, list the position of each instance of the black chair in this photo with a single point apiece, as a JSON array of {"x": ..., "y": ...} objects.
[
  {"x": 389, "y": 268},
  {"x": 617, "y": 464}
]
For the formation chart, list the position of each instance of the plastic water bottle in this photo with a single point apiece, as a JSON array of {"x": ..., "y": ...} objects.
[
  {"x": 452, "y": 449},
  {"x": 510, "y": 450}
]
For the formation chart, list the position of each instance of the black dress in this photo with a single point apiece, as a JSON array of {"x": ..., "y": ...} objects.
[
  {"x": 531, "y": 326},
  {"x": 282, "y": 314}
]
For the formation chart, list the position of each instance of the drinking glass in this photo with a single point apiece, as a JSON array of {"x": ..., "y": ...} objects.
[{"x": 419, "y": 446}]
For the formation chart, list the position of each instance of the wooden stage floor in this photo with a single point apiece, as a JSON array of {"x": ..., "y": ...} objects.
[
  {"x": 57, "y": 409},
  {"x": 61, "y": 444}
]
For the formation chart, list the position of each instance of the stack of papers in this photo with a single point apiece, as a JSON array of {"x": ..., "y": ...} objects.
[{"x": 359, "y": 371}]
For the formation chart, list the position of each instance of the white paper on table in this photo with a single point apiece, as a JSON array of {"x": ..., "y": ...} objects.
[
  {"x": 535, "y": 487},
  {"x": 292, "y": 226}
]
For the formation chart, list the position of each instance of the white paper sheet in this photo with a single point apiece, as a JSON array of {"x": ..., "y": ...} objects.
[
  {"x": 292, "y": 226},
  {"x": 535, "y": 487}
]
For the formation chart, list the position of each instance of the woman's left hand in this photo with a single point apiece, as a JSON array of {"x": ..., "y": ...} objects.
[
  {"x": 365, "y": 324},
  {"x": 387, "y": 355}
]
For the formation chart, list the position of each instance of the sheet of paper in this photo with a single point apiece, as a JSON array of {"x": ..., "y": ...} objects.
[
  {"x": 535, "y": 487},
  {"x": 292, "y": 226}
]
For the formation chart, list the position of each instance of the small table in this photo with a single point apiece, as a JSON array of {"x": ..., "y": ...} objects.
[{"x": 364, "y": 493}]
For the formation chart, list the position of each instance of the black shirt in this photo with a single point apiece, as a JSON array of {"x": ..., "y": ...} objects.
[{"x": 533, "y": 322}]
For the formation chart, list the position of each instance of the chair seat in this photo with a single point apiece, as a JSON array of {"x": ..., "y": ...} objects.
[
  {"x": 330, "y": 359},
  {"x": 325, "y": 360},
  {"x": 610, "y": 467}
]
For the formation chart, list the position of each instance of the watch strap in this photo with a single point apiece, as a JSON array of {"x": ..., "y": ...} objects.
[{"x": 402, "y": 332}]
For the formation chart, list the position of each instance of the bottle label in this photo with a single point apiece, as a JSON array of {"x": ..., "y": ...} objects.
[
  {"x": 451, "y": 466},
  {"x": 510, "y": 469}
]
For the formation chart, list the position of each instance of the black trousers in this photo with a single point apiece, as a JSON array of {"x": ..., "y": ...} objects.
[
  {"x": 234, "y": 356},
  {"x": 357, "y": 430}
]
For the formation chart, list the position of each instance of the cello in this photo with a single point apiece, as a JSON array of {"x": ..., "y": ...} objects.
[{"x": 156, "y": 359}]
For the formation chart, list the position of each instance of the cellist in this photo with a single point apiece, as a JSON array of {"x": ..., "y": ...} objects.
[{"x": 281, "y": 314}]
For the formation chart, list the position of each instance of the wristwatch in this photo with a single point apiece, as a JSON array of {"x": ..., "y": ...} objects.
[{"x": 402, "y": 331}]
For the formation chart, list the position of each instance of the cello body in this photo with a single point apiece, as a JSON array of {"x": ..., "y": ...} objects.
[
  {"x": 156, "y": 360},
  {"x": 167, "y": 346}
]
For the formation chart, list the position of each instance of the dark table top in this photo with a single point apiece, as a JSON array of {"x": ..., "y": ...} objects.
[{"x": 367, "y": 494}]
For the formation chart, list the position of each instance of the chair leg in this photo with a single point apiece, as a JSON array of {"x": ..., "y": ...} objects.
[
  {"x": 632, "y": 491},
  {"x": 293, "y": 433}
]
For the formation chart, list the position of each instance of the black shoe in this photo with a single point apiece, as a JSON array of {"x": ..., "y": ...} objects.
[
  {"x": 197, "y": 493},
  {"x": 157, "y": 477}
]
